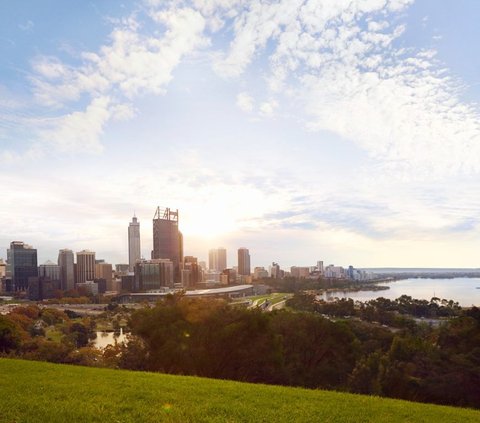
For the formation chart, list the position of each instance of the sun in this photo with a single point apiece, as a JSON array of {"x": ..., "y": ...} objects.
[{"x": 207, "y": 221}]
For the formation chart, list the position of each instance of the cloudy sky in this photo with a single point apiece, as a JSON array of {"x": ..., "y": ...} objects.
[{"x": 339, "y": 130}]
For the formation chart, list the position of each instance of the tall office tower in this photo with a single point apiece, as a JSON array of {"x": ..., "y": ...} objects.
[
  {"x": 122, "y": 269},
  {"x": 243, "y": 261},
  {"x": 275, "y": 272},
  {"x": 134, "y": 252},
  {"x": 167, "y": 239},
  {"x": 153, "y": 274},
  {"x": 85, "y": 268},
  {"x": 3, "y": 268},
  {"x": 212, "y": 259},
  {"x": 49, "y": 270},
  {"x": 22, "y": 264},
  {"x": 67, "y": 269},
  {"x": 104, "y": 271},
  {"x": 217, "y": 259},
  {"x": 192, "y": 270}
]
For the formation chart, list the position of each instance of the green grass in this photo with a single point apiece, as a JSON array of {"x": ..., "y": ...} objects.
[
  {"x": 53, "y": 333},
  {"x": 280, "y": 298},
  {"x": 44, "y": 392},
  {"x": 273, "y": 298}
]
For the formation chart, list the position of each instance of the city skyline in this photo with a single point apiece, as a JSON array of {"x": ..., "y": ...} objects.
[
  {"x": 304, "y": 130},
  {"x": 165, "y": 230}
]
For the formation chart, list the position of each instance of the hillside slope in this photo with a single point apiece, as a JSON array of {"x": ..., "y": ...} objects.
[{"x": 44, "y": 392}]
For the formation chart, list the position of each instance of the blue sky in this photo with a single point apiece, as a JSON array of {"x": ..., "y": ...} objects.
[{"x": 344, "y": 131}]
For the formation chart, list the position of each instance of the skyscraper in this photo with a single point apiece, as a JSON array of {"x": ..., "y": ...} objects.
[
  {"x": 22, "y": 264},
  {"x": 243, "y": 262},
  {"x": 275, "y": 271},
  {"x": 67, "y": 269},
  {"x": 153, "y": 274},
  {"x": 3, "y": 268},
  {"x": 167, "y": 239},
  {"x": 191, "y": 272},
  {"x": 104, "y": 271},
  {"x": 85, "y": 266},
  {"x": 134, "y": 252},
  {"x": 217, "y": 259},
  {"x": 49, "y": 270}
]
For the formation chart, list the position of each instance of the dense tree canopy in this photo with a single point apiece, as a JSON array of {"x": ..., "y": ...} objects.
[{"x": 373, "y": 348}]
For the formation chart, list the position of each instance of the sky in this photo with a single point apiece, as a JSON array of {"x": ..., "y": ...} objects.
[{"x": 346, "y": 131}]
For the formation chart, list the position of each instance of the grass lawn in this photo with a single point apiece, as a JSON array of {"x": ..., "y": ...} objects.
[
  {"x": 44, "y": 392},
  {"x": 53, "y": 333},
  {"x": 280, "y": 298},
  {"x": 274, "y": 298}
]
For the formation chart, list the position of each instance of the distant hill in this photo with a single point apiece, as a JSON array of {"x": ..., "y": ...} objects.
[{"x": 43, "y": 392}]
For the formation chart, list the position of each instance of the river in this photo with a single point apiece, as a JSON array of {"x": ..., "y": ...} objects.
[{"x": 462, "y": 290}]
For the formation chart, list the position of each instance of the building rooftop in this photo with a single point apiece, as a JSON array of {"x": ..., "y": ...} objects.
[{"x": 196, "y": 292}]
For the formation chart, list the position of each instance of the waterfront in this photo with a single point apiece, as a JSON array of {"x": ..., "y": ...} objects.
[{"x": 462, "y": 290}]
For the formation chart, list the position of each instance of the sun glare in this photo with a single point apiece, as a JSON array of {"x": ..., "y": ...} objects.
[{"x": 208, "y": 222}]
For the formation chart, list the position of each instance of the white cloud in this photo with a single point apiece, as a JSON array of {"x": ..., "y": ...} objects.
[
  {"x": 398, "y": 105},
  {"x": 79, "y": 131},
  {"x": 133, "y": 63},
  {"x": 333, "y": 66},
  {"x": 27, "y": 26},
  {"x": 245, "y": 102},
  {"x": 267, "y": 108}
]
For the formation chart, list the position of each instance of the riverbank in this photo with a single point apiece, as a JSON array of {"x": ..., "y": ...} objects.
[{"x": 461, "y": 290}]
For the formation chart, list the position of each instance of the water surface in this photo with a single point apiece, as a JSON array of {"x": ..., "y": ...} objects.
[
  {"x": 105, "y": 338},
  {"x": 461, "y": 290}
]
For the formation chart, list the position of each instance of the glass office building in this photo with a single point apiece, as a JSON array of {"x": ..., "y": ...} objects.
[{"x": 22, "y": 264}]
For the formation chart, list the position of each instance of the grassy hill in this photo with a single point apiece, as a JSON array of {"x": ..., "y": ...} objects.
[{"x": 43, "y": 392}]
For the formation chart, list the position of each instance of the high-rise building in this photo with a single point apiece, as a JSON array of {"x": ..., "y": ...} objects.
[
  {"x": 191, "y": 272},
  {"x": 153, "y": 274},
  {"x": 275, "y": 271},
  {"x": 66, "y": 263},
  {"x": 259, "y": 273},
  {"x": 22, "y": 264},
  {"x": 228, "y": 277},
  {"x": 167, "y": 239},
  {"x": 134, "y": 252},
  {"x": 217, "y": 259},
  {"x": 243, "y": 262},
  {"x": 41, "y": 287},
  {"x": 299, "y": 272},
  {"x": 104, "y": 271},
  {"x": 3, "y": 269},
  {"x": 85, "y": 268},
  {"x": 122, "y": 269},
  {"x": 212, "y": 259},
  {"x": 49, "y": 270}
]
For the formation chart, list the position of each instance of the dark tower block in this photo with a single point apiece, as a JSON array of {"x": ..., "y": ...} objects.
[{"x": 167, "y": 239}]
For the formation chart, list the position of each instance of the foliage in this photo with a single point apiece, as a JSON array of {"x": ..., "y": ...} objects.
[
  {"x": 10, "y": 338},
  {"x": 366, "y": 348},
  {"x": 80, "y": 333},
  {"x": 53, "y": 316},
  {"x": 208, "y": 338},
  {"x": 296, "y": 285}
]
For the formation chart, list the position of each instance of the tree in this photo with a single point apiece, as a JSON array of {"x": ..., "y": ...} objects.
[{"x": 10, "y": 338}]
